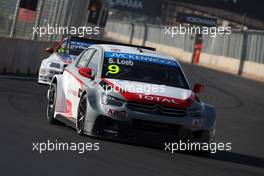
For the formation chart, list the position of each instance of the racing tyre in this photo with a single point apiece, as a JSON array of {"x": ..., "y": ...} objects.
[
  {"x": 51, "y": 103},
  {"x": 81, "y": 115}
]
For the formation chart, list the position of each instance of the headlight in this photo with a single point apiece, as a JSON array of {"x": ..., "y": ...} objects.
[
  {"x": 195, "y": 112},
  {"x": 55, "y": 65},
  {"x": 42, "y": 71},
  {"x": 110, "y": 100}
]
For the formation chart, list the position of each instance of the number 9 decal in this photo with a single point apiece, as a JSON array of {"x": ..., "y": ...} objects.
[{"x": 113, "y": 69}]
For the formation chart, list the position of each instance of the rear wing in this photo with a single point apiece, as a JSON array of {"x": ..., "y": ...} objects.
[{"x": 93, "y": 41}]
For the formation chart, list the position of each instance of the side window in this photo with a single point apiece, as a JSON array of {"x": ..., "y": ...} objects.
[
  {"x": 85, "y": 58},
  {"x": 94, "y": 62}
]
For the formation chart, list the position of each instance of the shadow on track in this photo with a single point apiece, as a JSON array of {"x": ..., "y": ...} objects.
[
  {"x": 237, "y": 158},
  {"x": 225, "y": 156}
]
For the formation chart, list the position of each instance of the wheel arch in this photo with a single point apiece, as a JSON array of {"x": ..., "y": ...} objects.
[
  {"x": 210, "y": 117},
  {"x": 60, "y": 98}
]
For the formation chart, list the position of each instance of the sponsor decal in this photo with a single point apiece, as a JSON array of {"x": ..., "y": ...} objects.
[
  {"x": 73, "y": 92},
  {"x": 137, "y": 57},
  {"x": 115, "y": 49},
  {"x": 195, "y": 19},
  {"x": 152, "y": 99},
  {"x": 155, "y": 99},
  {"x": 158, "y": 99},
  {"x": 79, "y": 45},
  {"x": 120, "y": 61},
  {"x": 116, "y": 113}
]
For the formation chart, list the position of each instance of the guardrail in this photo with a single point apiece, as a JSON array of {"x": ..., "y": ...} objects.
[{"x": 240, "y": 52}]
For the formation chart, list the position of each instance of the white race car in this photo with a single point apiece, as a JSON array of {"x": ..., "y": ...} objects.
[
  {"x": 64, "y": 54},
  {"x": 129, "y": 93}
]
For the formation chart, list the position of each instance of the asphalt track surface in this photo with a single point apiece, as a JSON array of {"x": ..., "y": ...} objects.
[{"x": 240, "y": 119}]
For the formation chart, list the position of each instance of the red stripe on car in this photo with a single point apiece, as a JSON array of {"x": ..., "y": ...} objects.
[
  {"x": 68, "y": 110},
  {"x": 153, "y": 99}
]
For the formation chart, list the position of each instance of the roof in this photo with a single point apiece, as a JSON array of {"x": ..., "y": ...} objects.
[
  {"x": 94, "y": 41},
  {"x": 134, "y": 50}
]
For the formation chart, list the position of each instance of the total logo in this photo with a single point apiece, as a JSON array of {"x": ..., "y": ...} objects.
[{"x": 158, "y": 99}]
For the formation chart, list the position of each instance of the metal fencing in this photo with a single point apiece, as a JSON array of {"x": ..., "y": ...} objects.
[
  {"x": 255, "y": 47},
  {"x": 247, "y": 44},
  {"x": 224, "y": 45},
  {"x": 19, "y": 23}
]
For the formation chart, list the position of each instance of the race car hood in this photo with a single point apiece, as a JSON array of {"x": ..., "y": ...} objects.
[{"x": 133, "y": 91}]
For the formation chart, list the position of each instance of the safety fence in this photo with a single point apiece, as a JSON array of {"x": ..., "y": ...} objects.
[
  {"x": 18, "y": 17},
  {"x": 19, "y": 23}
]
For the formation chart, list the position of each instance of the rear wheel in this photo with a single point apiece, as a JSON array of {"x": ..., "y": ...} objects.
[
  {"x": 51, "y": 103},
  {"x": 81, "y": 115}
]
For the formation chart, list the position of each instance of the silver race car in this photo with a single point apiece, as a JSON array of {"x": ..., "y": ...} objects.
[{"x": 129, "y": 93}]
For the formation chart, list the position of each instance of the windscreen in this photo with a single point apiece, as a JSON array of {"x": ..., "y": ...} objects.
[
  {"x": 143, "y": 69},
  {"x": 76, "y": 47}
]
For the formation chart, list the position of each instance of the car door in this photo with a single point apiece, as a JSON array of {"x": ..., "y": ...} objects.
[
  {"x": 93, "y": 63},
  {"x": 73, "y": 84}
]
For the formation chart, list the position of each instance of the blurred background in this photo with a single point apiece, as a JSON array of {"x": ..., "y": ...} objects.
[{"x": 143, "y": 22}]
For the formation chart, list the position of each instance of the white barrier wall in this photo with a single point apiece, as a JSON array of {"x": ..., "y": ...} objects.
[
  {"x": 252, "y": 68},
  {"x": 227, "y": 64}
]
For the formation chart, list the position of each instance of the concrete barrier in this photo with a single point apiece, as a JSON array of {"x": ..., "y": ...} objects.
[
  {"x": 22, "y": 56},
  {"x": 252, "y": 68},
  {"x": 227, "y": 64}
]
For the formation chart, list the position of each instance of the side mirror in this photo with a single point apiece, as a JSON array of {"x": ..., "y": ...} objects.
[
  {"x": 86, "y": 72},
  {"x": 198, "y": 88},
  {"x": 49, "y": 50}
]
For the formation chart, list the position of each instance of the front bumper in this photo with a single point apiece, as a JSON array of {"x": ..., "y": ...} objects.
[
  {"x": 45, "y": 75},
  {"x": 125, "y": 124}
]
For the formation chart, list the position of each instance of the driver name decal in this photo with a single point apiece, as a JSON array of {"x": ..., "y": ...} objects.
[{"x": 143, "y": 58}]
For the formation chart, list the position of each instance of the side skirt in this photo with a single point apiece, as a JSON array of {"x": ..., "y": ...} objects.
[{"x": 65, "y": 120}]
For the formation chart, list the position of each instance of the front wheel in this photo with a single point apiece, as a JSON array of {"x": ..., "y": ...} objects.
[
  {"x": 81, "y": 115},
  {"x": 208, "y": 138},
  {"x": 51, "y": 103}
]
